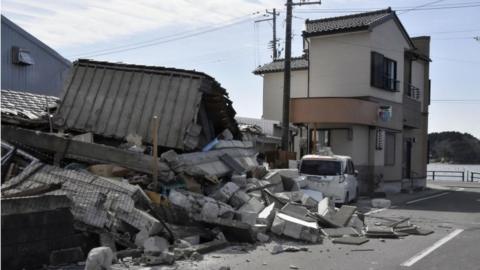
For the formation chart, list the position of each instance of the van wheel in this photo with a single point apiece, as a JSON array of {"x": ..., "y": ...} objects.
[{"x": 347, "y": 198}]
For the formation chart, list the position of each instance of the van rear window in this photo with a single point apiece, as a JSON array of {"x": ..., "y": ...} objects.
[{"x": 320, "y": 167}]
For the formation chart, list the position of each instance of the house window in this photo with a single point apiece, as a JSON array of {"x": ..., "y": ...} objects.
[
  {"x": 389, "y": 148},
  {"x": 383, "y": 72}
]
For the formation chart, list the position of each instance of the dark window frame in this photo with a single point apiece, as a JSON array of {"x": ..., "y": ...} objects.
[{"x": 381, "y": 70}]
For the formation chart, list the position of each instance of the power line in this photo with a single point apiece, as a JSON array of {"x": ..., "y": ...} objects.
[
  {"x": 165, "y": 39},
  {"x": 421, "y": 6}
]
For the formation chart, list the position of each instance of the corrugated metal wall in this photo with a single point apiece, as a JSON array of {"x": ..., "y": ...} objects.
[{"x": 44, "y": 77}]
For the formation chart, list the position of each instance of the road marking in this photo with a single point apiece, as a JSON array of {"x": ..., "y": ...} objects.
[
  {"x": 460, "y": 189},
  {"x": 427, "y": 198},
  {"x": 429, "y": 250},
  {"x": 375, "y": 211}
]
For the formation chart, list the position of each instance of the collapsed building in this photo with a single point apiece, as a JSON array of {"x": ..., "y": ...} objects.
[{"x": 149, "y": 162}]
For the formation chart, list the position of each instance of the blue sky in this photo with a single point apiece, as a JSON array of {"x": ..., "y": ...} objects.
[{"x": 220, "y": 38}]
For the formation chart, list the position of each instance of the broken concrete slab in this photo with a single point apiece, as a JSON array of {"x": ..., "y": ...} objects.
[
  {"x": 285, "y": 248},
  {"x": 380, "y": 232},
  {"x": 343, "y": 215},
  {"x": 350, "y": 240},
  {"x": 413, "y": 230},
  {"x": 232, "y": 163},
  {"x": 253, "y": 205},
  {"x": 210, "y": 246},
  {"x": 339, "y": 232}
]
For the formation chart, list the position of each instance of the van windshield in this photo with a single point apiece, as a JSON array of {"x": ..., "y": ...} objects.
[{"x": 320, "y": 167}]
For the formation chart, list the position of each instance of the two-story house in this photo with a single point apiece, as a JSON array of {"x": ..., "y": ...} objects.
[{"x": 362, "y": 88}]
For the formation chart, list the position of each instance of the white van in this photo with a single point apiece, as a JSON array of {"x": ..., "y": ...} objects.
[{"x": 335, "y": 176}]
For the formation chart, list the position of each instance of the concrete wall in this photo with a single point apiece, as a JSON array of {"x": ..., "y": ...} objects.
[
  {"x": 340, "y": 64},
  {"x": 273, "y": 92}
]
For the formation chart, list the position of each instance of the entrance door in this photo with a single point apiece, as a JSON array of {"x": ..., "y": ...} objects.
[{"x": 407, "y": 159}]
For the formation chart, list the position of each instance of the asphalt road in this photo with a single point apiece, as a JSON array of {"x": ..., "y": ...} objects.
[{"x": 453, "y": 214}]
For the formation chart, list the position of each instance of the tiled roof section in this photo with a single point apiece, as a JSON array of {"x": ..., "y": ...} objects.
[
  {"x": 347, "y": 23},
  {"x": 297, "y": 63},
  {"x": 26, "y": 105},
  {"x": 115, "y": 100}
]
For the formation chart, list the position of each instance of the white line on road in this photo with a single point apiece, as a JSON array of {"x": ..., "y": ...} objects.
[
  {"x": 427, "y": 198},
  {"x": 375, "y": 211},
  {"x": 428, "y": 250}
]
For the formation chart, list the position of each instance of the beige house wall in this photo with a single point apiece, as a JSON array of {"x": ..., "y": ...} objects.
[
  {"x": 273, "y": 92},
  {"x": 347, "y": 73}
]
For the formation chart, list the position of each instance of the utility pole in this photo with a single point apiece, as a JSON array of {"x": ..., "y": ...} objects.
[
  {"x": 274, "y": 22},
  {"x": 286, "y": 78}
]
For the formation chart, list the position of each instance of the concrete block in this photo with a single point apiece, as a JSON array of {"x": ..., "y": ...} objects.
[
  {"x": 238, "y": 199},
  {"x": 179, "y": 199},
  {"x": 248, "y": 217},
  {"x": 324, "y": 207},
  {"x": 263, "y": 237},
  {"x": 296, "y": 228},
  {"x": 253, "y": 205},
  {"x": 266, "y": 215},
  {"x": 225, "y": 193},
  {"x": 140, "y": 238},
  {"x": 278, "y": 225},
  {"x": 99, "y": 258},
  {"x": 240, "y": 180},
  {"x": 381, "y": 203},
  {"x": 155, "y": 245},
  {"x": 210, "y": 211},
  {"x": 293, "y": 230}
]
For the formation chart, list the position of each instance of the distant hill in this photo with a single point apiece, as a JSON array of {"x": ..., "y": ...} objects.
[{"x": 454, "y": 147}]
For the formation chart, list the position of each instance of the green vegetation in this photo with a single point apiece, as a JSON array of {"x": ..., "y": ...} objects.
[{"x": 454, "y": 147}]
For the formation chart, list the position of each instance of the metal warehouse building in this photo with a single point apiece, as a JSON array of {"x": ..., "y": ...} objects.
[{"x": 28, "y": 64}]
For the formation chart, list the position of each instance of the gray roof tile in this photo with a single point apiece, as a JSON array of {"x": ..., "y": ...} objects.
[
  {"x": 297, "y": 63},
  {"x": 345, "y": 23},
  {"x": 26, "y": 105}
]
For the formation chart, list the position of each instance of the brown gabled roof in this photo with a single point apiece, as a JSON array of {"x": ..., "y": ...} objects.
[{"x": 297, "y": 63}]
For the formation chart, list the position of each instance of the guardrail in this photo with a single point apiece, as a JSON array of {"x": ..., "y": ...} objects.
[
  {"x": 474, "y": 176},
  {"x": 453, "y": 175}
]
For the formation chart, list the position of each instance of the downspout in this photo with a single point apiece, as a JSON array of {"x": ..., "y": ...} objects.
[{"x": 308, "y": 67}]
